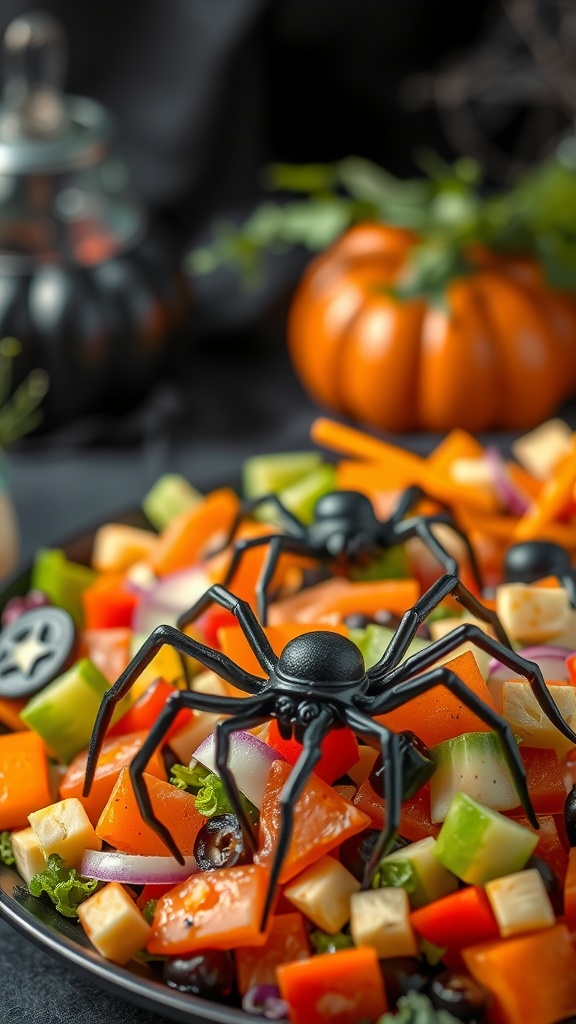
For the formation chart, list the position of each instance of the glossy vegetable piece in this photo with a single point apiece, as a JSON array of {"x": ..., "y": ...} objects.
[
  {"x": 478, "y": 844},
  {"x": 287, "y": 942},
  {"x": 189, "y": 535},
  {"x": 438, "y": 715},
  {"x": 109, "y": 603},
  {"x": 344, "y": 987},
  {"x": 549, "y": 844},
  {"x": 213, "y": 909},
  {"x": 337, "y": 598},
  {"x": 62, "y": 581},
  {"x": 117, "y": 752},
  {"x": 169, "y": 496},
  {"x": 145, "y": 710},
  {"x": 117, "y": 546},
  {"x": 113, "y": 923},
  {"x": 24, "y": 784},
  {"x": 121, "y": 824},
  {"x": 457, "y": 920},
  {"x": 570, "y": 891},
  {"x": 415, "y": 819},
  {"x": 339, "y": 751},
  {"x": 532, "y": 978},
  {"x": 545, "y": 779},
  {"x": 108, "y": 649},
  {"x": 322, "y": 820}
]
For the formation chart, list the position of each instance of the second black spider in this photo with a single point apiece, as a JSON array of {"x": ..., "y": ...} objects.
[{"x": 345, "y": 533}]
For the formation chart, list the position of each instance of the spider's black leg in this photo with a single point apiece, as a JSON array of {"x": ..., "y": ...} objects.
[
  {"x": 400, "y": 642},
  {"x": 239, "y": 707},
  {"x": 391, "y": 759},
  {"x": 256, "y": 712},
  {"x": 401, "y": 693},
  {"x": 421, "y": 527},
  {"x": 406, "y": 502},
  {"x": 313, "y": 735},
  {"x": 468, "y": 631},
  {"x": 161, "y": 636},
  {"x": 255, "y": 635},
  {"x": 288, "y": 520},
  {"x": 281, "y": 544}
]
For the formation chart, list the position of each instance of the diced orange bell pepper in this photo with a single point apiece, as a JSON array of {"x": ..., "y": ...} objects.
[
  {"x": 439, "y": 715},
  {"x": 24, "y": 785},
  {"x": 121, "y": 823},
  {"x": 457, "y": 920},
  {"x": 345, "y": 987},
  {"x": 339, "y": 750},
  {"x": 212, "y": 910},
  {"x": 322, "y": 820},
  {"x": 532, "y": 979},
  {"x": 117, "y": 752},
  {"x": 145, "y": 710},
  {"x": 415, "y": 820},
  {"x": 570, "y": 891},
  {"x": 287, "y": 941},
  {"x": 189, "y": 536},
  {"x": 108, "y": 603}
]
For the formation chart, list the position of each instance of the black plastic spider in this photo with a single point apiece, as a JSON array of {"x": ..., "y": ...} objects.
[
  {"x": 319, "y": 683},
  {"x": 345, "y": 532},
  {"x": 532, "y": 560}
]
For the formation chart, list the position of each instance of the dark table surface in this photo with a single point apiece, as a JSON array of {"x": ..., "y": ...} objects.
[{"x": 89, "y": 472}]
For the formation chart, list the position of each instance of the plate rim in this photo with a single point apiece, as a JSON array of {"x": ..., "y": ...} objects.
[{"x": 149, "y": 994}]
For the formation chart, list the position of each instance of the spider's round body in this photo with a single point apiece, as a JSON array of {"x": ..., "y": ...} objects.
[
  {"x": 316, "y": 670},
  {"x": 345, "y": 524}
]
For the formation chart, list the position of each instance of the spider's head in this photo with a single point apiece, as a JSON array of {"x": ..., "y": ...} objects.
[{"x": 320, "y": 658}]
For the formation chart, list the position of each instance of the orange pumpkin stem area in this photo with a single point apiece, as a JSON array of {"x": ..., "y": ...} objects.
[{"x": 499, "y": 351}]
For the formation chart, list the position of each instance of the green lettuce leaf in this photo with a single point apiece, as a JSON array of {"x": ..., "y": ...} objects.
[
  {"x": 395, "y": 873},
  {"x": 323, "y": 942},
  {"x": 6, "y": 854},
  {"x": 64, "y": 886},
  {"x": 190, "y": 778},
  {"x": 416, "y": 1008}
]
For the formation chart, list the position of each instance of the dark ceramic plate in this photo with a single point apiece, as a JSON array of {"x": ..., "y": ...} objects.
[{"x": 40, "y": 923}]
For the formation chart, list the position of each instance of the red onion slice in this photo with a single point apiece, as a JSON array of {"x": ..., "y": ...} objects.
[
  {"x": 510, "y": 496},
  {"x": 110, "y": 866},
  {"x": 550, "y": 660},
  {"x": 249, "y": 762},
  {"x": 168, "y": 598}
]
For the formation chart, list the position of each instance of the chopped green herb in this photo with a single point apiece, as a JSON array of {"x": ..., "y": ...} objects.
[
  {"x": 148, "y": 911},
  {"x": 6, "y": 854},
  {"x": 212, "y": 799},
  {"x": 64, "y": 886},
  {"x": 190, "y": 778},
  {"x": 398, "y": 874},
  {"x": 416, "y": 1008},
  {"x": 323, "y": 942}
]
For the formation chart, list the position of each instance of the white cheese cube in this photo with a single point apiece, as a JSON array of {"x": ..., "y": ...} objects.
[
  {"x": 532, "y": 615},
  {"x": 65, "y": 828},
  {"x": 322, "y": 892},
  {"x": 29, "y": 858},
  {"x": 541, "y": 449},
  {"x": 381, "y": 918},
  {"x": 520, "y": 903},
  {"x": 528, "y": 721},
  {"x": 113, "y": 923}
]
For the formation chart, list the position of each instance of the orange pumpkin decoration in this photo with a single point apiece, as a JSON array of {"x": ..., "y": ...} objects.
[{"x": 500, "y": 352}]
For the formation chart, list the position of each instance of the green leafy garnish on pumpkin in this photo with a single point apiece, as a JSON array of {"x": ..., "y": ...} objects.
[{"x": 64, "y": 886}]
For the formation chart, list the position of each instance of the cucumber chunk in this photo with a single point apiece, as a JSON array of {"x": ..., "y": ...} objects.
[
  {"x": 62, "y": 581},
  {"x": 374, "y": 639},
  {"x": 472, "y": 762},
  {"x": 167, "y": 498},
  {"x": 271, "y": 474},
  {"x": 478, "y": 844},
  {"x": 416, "y": 869}
]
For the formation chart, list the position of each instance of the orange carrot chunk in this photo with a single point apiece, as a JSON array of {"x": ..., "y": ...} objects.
[
  {"x": 287, "y": 941},
  {"x": 189, "y": 535},
  {"x": 121, "y": 824},
  {"x": 322, "y": 820},
  {"x": 117, "y": 752},
  {"x": 23, "y": 778},
  {"x": 340, "y": 988},
  {"x": 532, "y": 979},
  {"x": 212, "y": 910}
]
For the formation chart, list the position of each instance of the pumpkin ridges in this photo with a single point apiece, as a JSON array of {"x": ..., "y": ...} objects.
[
  {"x": 459, "y": 378},
  {"x": 380, "y": 357},
  {"x": 533, "y": 376}
]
